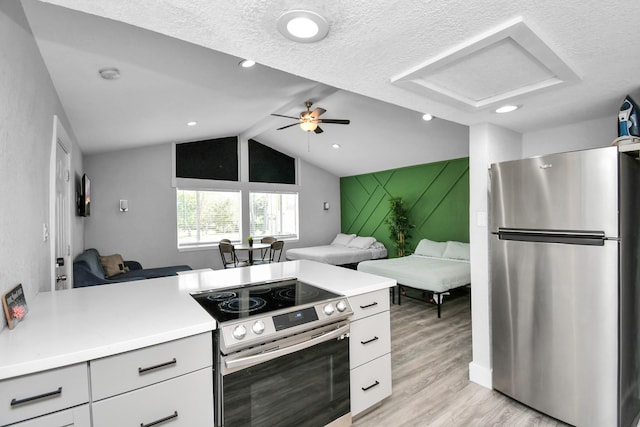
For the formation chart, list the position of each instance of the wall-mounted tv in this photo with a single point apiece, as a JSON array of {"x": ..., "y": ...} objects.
[{"x": 84, "y": 197}]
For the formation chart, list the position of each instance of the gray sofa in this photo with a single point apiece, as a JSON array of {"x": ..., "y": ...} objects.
[{"x": 88, "y": 271}]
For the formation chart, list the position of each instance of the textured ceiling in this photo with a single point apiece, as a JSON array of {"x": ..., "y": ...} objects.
[{"x": 368, "y": 44}]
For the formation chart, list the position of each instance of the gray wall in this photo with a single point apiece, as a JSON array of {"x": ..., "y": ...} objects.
[
  {"x": 147, "y": 232},
  {"x": 28, "y": 103}
]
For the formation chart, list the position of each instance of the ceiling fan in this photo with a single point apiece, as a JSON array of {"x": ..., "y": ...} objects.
[{"x": 309, "y": 120}]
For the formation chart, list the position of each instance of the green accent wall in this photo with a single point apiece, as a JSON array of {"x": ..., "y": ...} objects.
[{"x": 435, "y": 194}]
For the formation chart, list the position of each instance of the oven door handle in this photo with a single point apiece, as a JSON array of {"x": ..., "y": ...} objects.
[{"x": 245, "y": 362}]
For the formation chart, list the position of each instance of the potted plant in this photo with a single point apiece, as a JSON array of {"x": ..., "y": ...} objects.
[
  {"x": 399, "y": 225},
  {"x": 250, "y": 240}
]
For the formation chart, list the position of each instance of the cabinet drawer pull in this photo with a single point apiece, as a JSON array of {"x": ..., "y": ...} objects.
[
  {"x": 373, "y": 304},
  {"x": 369, "y": 341},
  {"x": 162, "y": 365},
  {"x": 57, "y": 392},
  {"x": 371, "y": 386},
  {"x": 161, "y": 420}
]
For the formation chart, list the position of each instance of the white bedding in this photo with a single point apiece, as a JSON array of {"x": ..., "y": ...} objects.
[
  {"x": 422, "y": 272},
  {"x": 335, "y": 254}
]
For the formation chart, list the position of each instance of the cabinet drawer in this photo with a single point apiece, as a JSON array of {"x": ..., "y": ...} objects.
[
  {"x": 370, "y": 383},
  {"x": 183, "y": 401},
  {"x": 369, "y": 339},
  {"x": 37, "y": 394},
  {"x": 370, "y": 303},
  {"x": 72, "y": 417},
  {"x": 139, "y": 368}
]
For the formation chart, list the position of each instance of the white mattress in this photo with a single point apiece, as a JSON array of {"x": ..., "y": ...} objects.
[
  {"x": 421, "y": 272},
  {"x": 335, "y": 255}
]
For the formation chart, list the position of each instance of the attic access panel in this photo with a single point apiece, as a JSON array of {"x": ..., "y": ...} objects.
[{"x": 499, "y": 66}]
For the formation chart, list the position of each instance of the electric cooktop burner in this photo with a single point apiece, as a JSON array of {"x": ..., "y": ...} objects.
[{"x": 237, "y": 303}]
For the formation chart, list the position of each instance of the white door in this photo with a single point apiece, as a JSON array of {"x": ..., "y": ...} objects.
[
  {"x": 60, "y": 208},
  {"x": 63, "y": 204}
]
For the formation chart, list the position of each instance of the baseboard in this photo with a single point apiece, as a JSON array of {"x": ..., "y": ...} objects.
[{"x": 480, "y": 375}]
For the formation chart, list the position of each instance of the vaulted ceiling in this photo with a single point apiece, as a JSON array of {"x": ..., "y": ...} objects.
[{"x": 382, "y": 65}]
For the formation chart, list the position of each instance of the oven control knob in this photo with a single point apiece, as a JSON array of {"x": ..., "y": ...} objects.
[
  {"x": 328, "y": 309},
  {"x": 258, "y": 327},
  {"x": 341, "y": 306},
  {"x": 239, "y": 332}
]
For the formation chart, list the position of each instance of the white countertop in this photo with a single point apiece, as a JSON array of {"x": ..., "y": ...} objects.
[
  {"x": 336, "y": 279},
  {"x": 77, "y": 325}
]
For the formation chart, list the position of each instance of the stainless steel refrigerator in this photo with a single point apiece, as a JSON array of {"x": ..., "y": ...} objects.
[{"x": 564, "y": 249}]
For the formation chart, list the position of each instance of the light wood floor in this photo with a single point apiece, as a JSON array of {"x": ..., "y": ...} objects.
[{"x": 430, "y": 372}]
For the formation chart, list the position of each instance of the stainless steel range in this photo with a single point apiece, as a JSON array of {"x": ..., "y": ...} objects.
[{"x": 282, "y": 354}]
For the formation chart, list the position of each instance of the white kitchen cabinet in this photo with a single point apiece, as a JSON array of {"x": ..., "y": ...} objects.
[
  {"x": 169, "y": 383},
  {"x": 183, "y": 401},
  {"x": 41, "y": 393},
  {"x": 72, "y": 417},
  {"x": 370, "y": 384},
  {"x": 369, "y": 339},
  {"x": 139, "y": 368},
  {"x": 370, "y": 350}
]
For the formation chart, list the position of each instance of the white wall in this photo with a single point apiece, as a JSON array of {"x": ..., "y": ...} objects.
[
  {"x": 489, "y": 144},
  {"x": 28, "y": 103},
  {"x": 578, "y": 136},
  {"x": 147, "y": 232}
]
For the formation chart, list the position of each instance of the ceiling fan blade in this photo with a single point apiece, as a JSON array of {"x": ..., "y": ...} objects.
[
  {"x": 318, "y": 130},
  {"x": 288, "y": 117},
  {"x": 288, "y": 126},
  {"x": 317, "y": 112},
  {"x": 334, "y": 121}
]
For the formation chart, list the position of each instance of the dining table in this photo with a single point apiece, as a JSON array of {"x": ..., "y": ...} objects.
[{"x": 251, "y": 248}]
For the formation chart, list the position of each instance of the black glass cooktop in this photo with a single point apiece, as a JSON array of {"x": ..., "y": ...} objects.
[{"x": 237, "y": 303}]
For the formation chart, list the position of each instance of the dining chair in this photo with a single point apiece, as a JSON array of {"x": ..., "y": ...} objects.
[
  {"x": 275, "y": 251},
  {"x": 265, "y": 253},
  {"x": 228, "y": 255}
]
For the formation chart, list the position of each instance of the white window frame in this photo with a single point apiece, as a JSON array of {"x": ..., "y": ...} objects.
[
  {"x": 289, "y": 236},
  {"x": 207, "y": 244}
]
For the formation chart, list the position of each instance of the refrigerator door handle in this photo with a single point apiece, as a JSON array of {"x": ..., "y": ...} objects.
[{"x": 572, "y": 237}]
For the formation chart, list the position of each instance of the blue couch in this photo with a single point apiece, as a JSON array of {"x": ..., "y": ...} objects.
[{"x": 87, "y": 271}]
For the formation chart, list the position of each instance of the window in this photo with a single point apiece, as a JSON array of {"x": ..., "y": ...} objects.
[
  {"x": 211, "y": 159},
  {"x": 273, "y": 214},
  {"x": 206, "y": 216}
]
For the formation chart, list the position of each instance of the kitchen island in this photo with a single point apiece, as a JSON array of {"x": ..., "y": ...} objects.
[{"x": 69, "y": 329}]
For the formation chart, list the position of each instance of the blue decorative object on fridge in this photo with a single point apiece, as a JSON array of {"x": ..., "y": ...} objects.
[{"x": 628, "y": 118}]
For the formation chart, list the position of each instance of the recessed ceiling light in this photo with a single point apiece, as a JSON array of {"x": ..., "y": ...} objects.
[
  {"x": 507, "y": 109},
  {"x": 109, "y": 73},
  {"x": 427, "y": 117},
  {"x": 336, "y": 146},
  {"x": 247, "y": 63},
  {"x": 192, "y": 123},
  {"x": 303, "y": 26}
]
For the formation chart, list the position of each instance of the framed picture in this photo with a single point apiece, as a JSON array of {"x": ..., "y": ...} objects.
[{"x": 15, "y": 306}]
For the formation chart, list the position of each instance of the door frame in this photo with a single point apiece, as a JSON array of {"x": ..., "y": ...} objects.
[{"x": 60, "y": 136}]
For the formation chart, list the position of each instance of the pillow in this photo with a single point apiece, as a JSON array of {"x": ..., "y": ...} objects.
[
  {"x": 430, "y": 248},
  {"x": 343, "y": 239},
  {"x": 457, "y": 250},
  {"x": 361, "y": 242},
  {"x": 113, "y": 265}
]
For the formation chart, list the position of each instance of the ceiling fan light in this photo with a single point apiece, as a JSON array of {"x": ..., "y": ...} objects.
[{"x": 308, "y": 126}]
